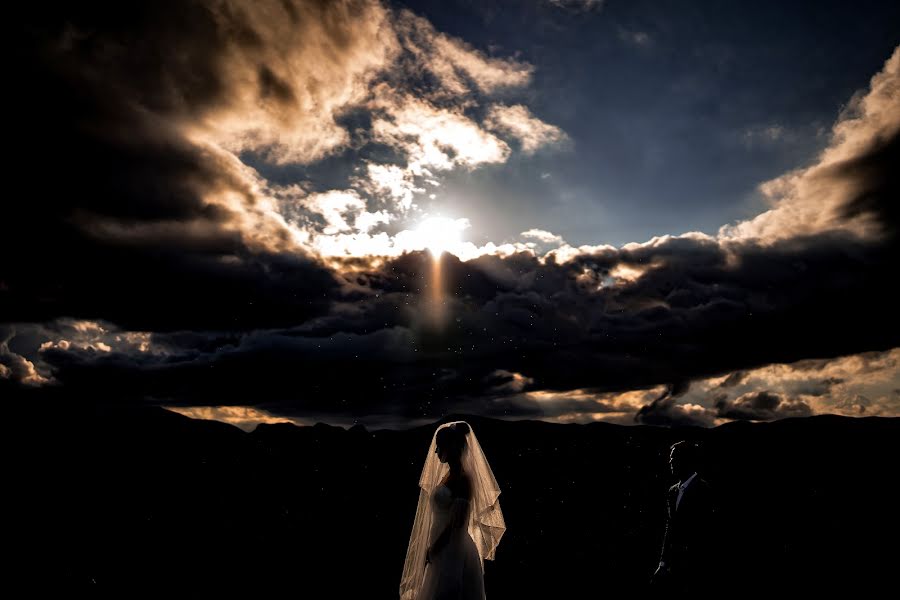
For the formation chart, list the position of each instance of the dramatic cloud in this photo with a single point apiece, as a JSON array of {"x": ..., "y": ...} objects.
[
  {"x": 504, "y": 381},
  {"x": 334, "y": 206},
  {"x": 14, "y": 367},
  {"x": 436, "y": 139},
  {"x": 291, "y": 69},
  {"x": 455, "y": 64},
  {"x": 572, "y": 406},
  {"x": 696, "y": 312},
  {"x": 152, "y": 217},
  {"x": 849, "y": 187},
  {"x": 245, "y": 417},
  {"x": 666, "y": 410},
  {"x": 761, "y": 406},
  {"x": 734, "y": 379},
  {"x": 860, "y": 384},
  {"x": 220, "y": 214}
]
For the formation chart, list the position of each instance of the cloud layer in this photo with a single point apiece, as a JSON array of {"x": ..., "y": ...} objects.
[{"x": 153, "y": 260}]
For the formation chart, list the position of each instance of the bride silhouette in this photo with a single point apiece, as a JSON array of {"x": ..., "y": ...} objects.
[{"x": 458, "y": 521}]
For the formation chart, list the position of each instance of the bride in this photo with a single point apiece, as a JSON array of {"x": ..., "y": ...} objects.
[{"x": 458, "y": 521}]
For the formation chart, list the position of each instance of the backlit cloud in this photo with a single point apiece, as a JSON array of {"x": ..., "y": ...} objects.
[
  {"x": 293, "y": 68},
  {"x": 545, "y": 237},
  {"x": 234, "y": 214},
  {"x": 761, "y": 406},
  {"x": 518, "y": 122},
  {"x": 436, "y": 139},
  {"x": 14, "y": 367},
  {"x": 850, "y": 186},
  {"x": 245, "y": 417},
  {"x": 455, "y": 63}
]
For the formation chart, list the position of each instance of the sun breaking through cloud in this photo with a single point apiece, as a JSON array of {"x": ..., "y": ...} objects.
[{"x": 265, "y": 210}]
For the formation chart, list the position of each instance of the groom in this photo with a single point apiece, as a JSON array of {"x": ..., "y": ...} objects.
[{"x": 683, "y": 565}]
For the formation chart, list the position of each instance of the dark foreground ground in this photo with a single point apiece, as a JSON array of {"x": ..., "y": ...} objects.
[{"x": 128, "y": 501}]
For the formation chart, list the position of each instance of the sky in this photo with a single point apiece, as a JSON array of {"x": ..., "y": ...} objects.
[{"x": 379, "y": 212}]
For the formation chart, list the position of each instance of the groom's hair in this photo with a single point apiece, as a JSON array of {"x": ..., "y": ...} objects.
[{"x": 687, "y": 452}]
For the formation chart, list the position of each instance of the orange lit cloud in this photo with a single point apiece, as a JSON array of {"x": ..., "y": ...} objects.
[
  {"x": 287, "y": 110},
  {"x": 841, "y": 190},
  {"x": 245, "y": 417},
  {"x": 455, "y": 63},
  {"x": 15, "y": 367},
  {"x": 518, "y": 122},
  {"x": 863, "y": 384},
  {"x": 277, "y": 84},
  {"x": 311, "y": 62}
]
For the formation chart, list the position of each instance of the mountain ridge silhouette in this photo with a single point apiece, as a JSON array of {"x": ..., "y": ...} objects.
[{"x": 130, "y": 498}]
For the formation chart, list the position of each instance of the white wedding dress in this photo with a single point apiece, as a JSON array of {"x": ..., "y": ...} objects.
[{"x": 455, "y": 572}]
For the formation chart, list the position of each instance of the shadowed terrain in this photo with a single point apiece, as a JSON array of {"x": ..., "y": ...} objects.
[{"x": 125, "y": 500}]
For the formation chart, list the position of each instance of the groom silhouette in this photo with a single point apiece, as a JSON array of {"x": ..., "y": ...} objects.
[{"x": 686, "y": 549}]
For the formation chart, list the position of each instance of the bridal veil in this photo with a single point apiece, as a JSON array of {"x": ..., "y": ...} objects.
[{"x": 485, "y": 521}]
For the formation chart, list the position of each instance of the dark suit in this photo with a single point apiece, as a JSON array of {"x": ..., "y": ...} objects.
[{"x": 687, "y": 549}]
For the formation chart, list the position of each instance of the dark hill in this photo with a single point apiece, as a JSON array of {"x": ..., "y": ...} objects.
[{"x": 131, "y": 500}]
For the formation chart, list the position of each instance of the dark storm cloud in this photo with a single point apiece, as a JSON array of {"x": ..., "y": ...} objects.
[
  {"x": 750, "y": 306},
  {"x": 698, "y": 311},
  {"x": 133, "y": 203},
  {"x": 761, "y": 406},
  {"x": 875, "y": 189},
  {"x": 121, "y": 207}
]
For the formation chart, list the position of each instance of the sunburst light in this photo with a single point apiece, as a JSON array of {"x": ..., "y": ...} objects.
[{"x": 440, "y": 234}]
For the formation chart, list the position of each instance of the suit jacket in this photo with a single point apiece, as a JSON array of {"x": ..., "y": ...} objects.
[{"x": 687, "y": 542}]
